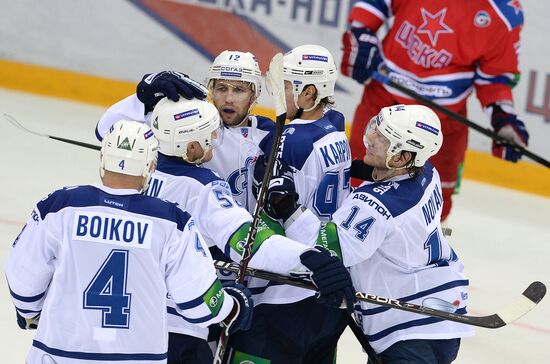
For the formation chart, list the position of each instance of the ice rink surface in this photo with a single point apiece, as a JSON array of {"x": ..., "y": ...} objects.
[{"x": 503, "y": 236}]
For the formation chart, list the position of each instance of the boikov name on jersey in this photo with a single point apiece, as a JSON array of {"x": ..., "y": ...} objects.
[{"x": 111, "y": 229}]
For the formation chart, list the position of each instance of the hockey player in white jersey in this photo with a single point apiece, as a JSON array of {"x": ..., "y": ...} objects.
[
  {"x": 315, "y": 146},
  {"x": 388, "y": 232},
  {"x": 187, "y": 130},
  {"x": 314, "y": 143},
  {"x": 93, "y": 265},
  {"x": 234, "y": 86}
]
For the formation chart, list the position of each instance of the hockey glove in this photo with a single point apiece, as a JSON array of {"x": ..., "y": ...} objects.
[
  {"x": 331, "y": 278},
  {"x": 361, "y": 170},
  {"x": 282, "y": 198},
  {"x": 508, "y": 126},
  {"x": 27, "y": 323},
  {"x": 242, "y": 319},
  {"x": 361, "y": 54},
  {"x": 153, "y": 87}
]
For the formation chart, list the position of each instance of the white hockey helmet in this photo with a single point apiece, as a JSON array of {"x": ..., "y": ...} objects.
[
  {"x": 129, "y": 148},
  {"x": 310, "y": 65},
  {"x": 413, "y": 128},
  {"x": 176, "y": 124},
  {"x": 237, "y": 66}
]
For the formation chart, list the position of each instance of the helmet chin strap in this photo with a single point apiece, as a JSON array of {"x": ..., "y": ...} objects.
[
  {"x": 197, "y": 161},
  {"x": 388, "y": 172},
  {"x": 301, "y": 109}
]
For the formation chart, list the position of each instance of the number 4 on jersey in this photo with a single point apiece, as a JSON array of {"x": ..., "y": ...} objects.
[{"x": 107, "y": 291}]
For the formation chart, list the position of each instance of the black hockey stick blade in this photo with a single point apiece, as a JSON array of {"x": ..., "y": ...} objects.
[
  {"x": 459, "y": 118},
  {"x": 17, "y": 124},
  {"x": 530, "y": 298}
]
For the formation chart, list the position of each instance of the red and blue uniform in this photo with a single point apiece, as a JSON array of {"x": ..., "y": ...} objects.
[{"x": 442, "y": 50}]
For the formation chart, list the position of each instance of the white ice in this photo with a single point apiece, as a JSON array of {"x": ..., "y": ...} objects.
[{"x": 503, "y": 236}]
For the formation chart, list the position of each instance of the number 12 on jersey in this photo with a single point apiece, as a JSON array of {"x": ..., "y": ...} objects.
[{"x": 107, "y": 291}]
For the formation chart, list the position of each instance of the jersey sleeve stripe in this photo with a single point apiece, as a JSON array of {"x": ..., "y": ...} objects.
[
  {"x": 379, "y": 9},
  {"x": 507, "y": 13},
  {"x": 191, "y": 304},
  {"x": 20, "y": 310},
  {"x": 99, "y": 356},
  {"x": 409, "y": 324},
  {"x": 26, "y": 298}
]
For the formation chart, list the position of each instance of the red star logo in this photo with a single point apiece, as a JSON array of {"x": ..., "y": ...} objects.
[
  {"x": 515, "y": 4},
  {"x": 433, "y": 24}
]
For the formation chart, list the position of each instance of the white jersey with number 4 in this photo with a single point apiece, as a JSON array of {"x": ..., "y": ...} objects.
[
  {"x": 389, "y": 235},
  {"x": 97, "y": 263}
]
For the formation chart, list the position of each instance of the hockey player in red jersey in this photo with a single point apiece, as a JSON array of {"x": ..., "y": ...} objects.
[{"x": 442, "y": 50}]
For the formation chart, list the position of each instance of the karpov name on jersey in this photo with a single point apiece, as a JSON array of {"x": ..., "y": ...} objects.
[
  {"x": 335, "y": 153},
  {"x": 111, "y": 229}
]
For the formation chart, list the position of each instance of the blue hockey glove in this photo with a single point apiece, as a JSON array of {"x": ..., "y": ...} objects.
[
  {"x": 330, "y": 276},
  {"x": 27, "y": 323},
  {"x": 153, "y": 87},
  {"x": 282, "y": 198},
  {"x": 361, "y": 54},
  {"x": 508, "y": 126},
  {"x": 242, "y": 319}
]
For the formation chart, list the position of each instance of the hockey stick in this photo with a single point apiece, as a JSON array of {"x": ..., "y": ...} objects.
[
  {"x": 17, "y": 124},
  {"x": 461, "y": 119},
  {"x": 529, "y": 299},
  {"x": 277, "y": 89}
]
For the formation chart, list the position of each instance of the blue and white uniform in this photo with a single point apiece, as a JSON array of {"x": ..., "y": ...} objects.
[
  {"x": 319, "y": 152},
  {"x": 98, "y": 263},
  {"x": 389, "y": 235},
  {"x": 223, "y": 223},
  {"x": 236, "y": 151},
  {"x": 235, "y": 156}
]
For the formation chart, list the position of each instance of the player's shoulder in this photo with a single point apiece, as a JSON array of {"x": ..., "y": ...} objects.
[
  {"x": 264, "y": 123},
  {"x": 336, "y": 118},
  {"x": 69, "y": 196},
  {"x": 176, "y": 166},
  {"x": 395, "y": 197},
  {"x": 509, "y": 12},
  {"x": 160, "y": 209}
]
